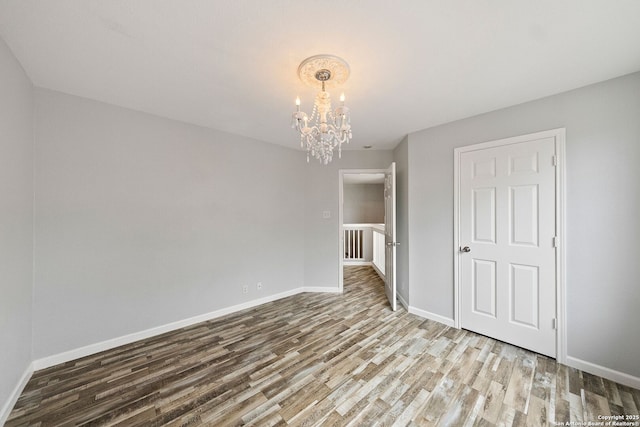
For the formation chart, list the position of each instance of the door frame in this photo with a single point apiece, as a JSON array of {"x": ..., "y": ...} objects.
[
  {"x": 341, "y": 174},
  {"x": 559, "y": 136}
]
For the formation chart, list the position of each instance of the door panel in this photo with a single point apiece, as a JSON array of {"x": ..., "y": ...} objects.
[
  {"x": 524, "y": 289},
  {"x": 523, "y": 201},
  {"x": 484, "y": 215},
  {"x": 484, "y": 287},
  {"x": 524, "y": 163},
  {"x": 484, "y": 168},
  {"x": 390, "y": 234},
  {"x": 507, "y": 218}
]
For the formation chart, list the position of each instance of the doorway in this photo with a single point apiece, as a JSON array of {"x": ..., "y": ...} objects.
[{"x": 367, "y": 223}]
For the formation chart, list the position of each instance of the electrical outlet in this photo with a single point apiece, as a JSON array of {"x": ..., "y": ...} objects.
[
  {"x": 259, "y": 285},
  {"x": 245, "y": 289}
]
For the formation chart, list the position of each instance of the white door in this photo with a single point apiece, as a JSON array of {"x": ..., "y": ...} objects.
[
  {"x": 390, "y": 234},
  {"x": 507, "y": 229}
]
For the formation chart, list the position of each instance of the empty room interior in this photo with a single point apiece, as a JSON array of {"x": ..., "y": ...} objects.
[{"x": 338, "y": 213}]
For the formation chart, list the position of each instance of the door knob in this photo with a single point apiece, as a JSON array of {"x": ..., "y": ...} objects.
[{"x": 465, "y": 249}]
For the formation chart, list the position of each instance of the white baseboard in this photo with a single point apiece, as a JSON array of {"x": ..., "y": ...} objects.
[
  {"x": 345, "y": 262},
  {"x": 90, "y": 349},
  {"x": 431, "y": 316},
  {"x": 15, "y": 394},
  {"x": 610, "y": 374},
  {"x": 330, "y": 290},
  {"x": 404, "y": 303}
]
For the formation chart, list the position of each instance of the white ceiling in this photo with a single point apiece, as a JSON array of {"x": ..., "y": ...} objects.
[{"x": 231, "y": 65}]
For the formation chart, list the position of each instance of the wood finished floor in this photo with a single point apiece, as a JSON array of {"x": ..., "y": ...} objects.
[{"x": 319, "y": 359}]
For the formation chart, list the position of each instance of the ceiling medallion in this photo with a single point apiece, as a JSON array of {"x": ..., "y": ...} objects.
[{"x": 326, "y": 128}]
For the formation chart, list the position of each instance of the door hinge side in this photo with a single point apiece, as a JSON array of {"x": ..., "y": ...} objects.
[
  {"x": 554, "y": 160},
  {"x": 556, "y": 241},
  {"x": 553, "y": 323}
]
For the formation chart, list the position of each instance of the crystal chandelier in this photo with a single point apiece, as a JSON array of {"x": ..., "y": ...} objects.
[{"x": 326, "y": 128}]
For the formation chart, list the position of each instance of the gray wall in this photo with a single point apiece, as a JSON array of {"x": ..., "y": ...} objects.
[
  {"x": 139, "y": 211},
  {"x": 401, "y": 157},
  {"x": 602, "y": 211},
  {"x": 363, "y": 204},
  {"x": 321, "y": 251},
  {"x": 142, "y": 221},
  {"x": 16, "y": 222}
]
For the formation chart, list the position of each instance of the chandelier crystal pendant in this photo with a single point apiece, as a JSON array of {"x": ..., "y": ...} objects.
[{"x": 325, "y": 129}]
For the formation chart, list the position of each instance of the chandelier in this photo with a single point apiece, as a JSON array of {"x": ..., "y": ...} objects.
[{"x": 326, "y": 128}]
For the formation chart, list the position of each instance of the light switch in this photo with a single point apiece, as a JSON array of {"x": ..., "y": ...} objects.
[{"x": 326, "y": 214}]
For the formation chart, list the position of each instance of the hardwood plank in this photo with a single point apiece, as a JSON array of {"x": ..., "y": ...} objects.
[
  {"x": 493, "y": 402},
  {"x": 519, "y": 389},
  {"x": 538, "y": 412},
  {"x": 461, "y": 408},
  {"x": 576, "y": 409},
  {"x": 611, "y": 392},
  {"x": 594, "y": 405},
  {"x": 562, "y": 413},
  {"x": 628, "y": 403}
]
